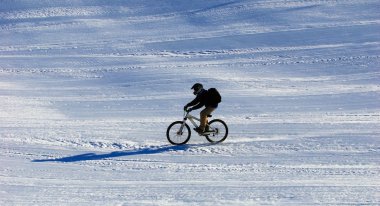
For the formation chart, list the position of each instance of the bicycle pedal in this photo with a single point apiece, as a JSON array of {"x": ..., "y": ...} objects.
[
  {"x": 198, "y": 130},
  {"x": 207, "y": 132}
]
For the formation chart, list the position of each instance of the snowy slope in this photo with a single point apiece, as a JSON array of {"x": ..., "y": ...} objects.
[{"x": 87, "y": 89}]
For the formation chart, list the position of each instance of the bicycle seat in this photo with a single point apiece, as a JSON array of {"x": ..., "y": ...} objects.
[{"x": 209, "y": 115}]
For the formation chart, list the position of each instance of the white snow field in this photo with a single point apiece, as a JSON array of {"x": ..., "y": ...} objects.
[{"x": 88, "y": 88}]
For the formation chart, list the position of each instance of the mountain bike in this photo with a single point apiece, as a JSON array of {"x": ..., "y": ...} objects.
[{"x": 179, "y": 132}]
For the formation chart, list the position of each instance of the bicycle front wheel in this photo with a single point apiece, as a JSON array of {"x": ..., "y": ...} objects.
[
  {"x": 220, "y": 131},
  {"x": 177, "y": 135}
]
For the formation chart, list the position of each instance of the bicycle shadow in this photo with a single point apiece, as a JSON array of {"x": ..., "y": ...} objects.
[{"x": 94, "y": 156}]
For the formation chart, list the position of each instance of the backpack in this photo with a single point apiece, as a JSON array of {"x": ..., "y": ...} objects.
[{"x": 213, "y": 96}]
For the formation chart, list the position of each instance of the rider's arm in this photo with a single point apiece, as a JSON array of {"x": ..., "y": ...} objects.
[
  {"x": 197, "y": 106},
  {"x": 194, "y": 102},
  {"x": 199, "y": 101}
]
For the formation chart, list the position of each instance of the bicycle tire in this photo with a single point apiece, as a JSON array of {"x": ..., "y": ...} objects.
[
  {"x": 218, "y": 137},
  {"x": 172, "y": 133}
]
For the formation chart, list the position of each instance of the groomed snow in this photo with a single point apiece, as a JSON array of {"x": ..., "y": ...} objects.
[{"x": 88, "y": 88}]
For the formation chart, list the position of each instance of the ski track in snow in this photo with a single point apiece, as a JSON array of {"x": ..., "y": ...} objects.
[{"x": 88, "y": 88}]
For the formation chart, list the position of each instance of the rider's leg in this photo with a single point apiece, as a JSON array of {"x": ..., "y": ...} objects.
[{"x": 204, "y": 113}]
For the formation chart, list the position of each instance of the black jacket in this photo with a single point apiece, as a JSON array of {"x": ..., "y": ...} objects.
[{"x": 201, "y": 100}]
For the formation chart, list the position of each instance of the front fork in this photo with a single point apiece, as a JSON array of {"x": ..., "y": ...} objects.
[{"x": 180, "y": 131}]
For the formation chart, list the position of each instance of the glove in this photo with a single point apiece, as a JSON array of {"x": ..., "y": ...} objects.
[
  {"x": 185, "y": 108},
  {"x": 189, "y": 110}
]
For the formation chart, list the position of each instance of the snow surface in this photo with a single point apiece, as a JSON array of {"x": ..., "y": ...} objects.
[{"x": 88, "y": 88}]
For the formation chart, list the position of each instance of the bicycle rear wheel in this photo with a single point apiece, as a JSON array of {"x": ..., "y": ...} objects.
[
  {"x": 177, "y": 136},
  {"x": 220, "y": 131}
]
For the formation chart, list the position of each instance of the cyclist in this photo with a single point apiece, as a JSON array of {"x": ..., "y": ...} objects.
[{"x": 202, "y": 99}]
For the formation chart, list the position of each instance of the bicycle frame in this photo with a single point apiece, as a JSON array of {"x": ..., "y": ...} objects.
[
  {"x": 191, "y": 118},
  {"x": 188, "y": 116}
]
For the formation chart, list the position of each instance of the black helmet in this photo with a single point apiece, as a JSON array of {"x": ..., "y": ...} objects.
[{"x": 197, "y": 88}]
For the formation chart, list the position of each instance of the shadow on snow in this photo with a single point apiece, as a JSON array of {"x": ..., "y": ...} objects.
[{"x": 93, "y": 156}]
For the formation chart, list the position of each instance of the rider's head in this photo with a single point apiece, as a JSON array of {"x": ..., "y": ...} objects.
[{"x": 197, "y": 87}]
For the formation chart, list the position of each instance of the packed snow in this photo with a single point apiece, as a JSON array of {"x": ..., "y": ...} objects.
[{"x": 88, "y": 89}]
